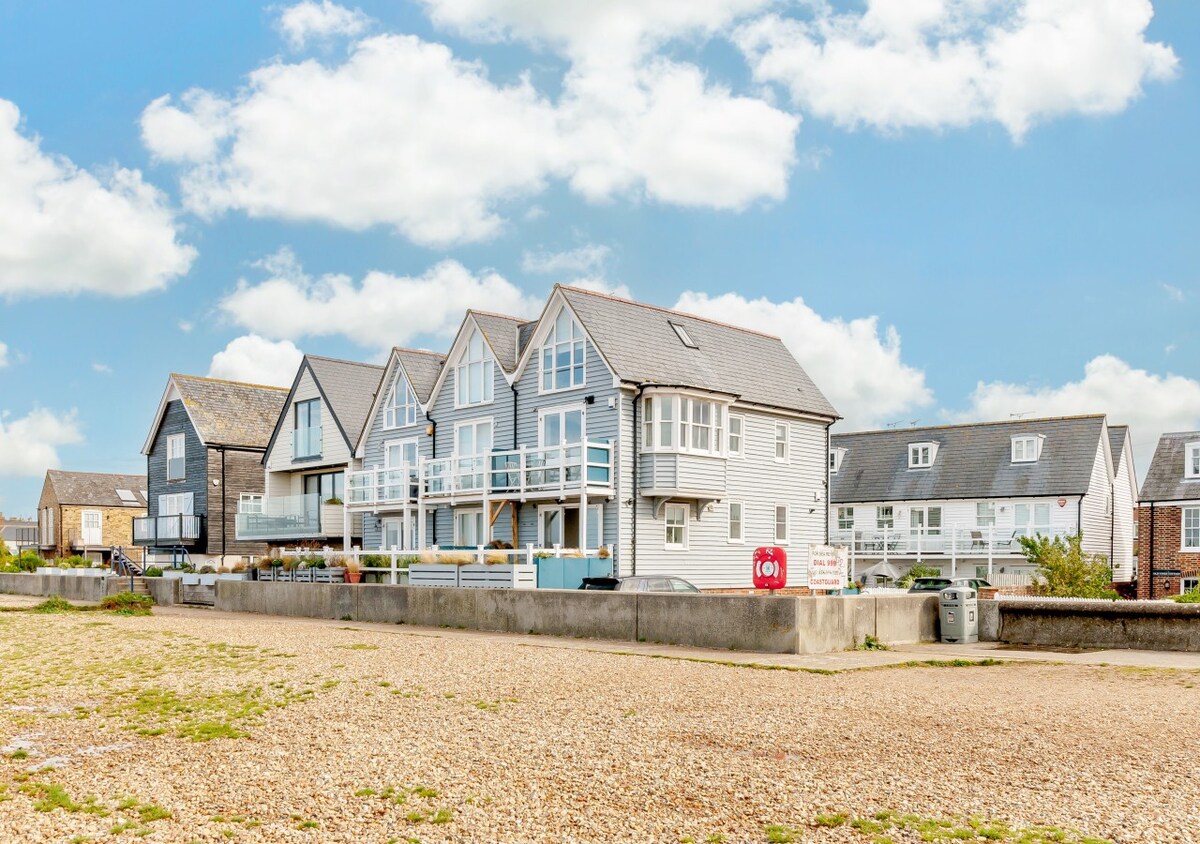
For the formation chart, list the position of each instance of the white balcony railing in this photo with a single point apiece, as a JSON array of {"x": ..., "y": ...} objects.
[
  {"x": 948, "y": 541},
  {"x": 515, "y": 473}
]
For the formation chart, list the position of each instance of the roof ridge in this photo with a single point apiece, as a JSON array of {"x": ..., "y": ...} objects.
[
  {"x": 418, "y": 351},
  {"x": 228, "y": 381},
  {"x": 343, "y": 360},
  {"x": 1180, "y": 434},
  {"x": 509, "y": 317},
  {"x": 972, "y": 425},
  {"x": 107, "y": 474},
  {"x": 673, "y": 311}
]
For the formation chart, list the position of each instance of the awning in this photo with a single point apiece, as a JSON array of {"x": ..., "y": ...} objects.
[{"x": 882, "y": 569}]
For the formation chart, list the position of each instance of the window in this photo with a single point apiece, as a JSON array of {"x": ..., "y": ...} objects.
[
  {"x": 1032, "y": 519},
  {"x": 472, "y": 440},
  {"x": 737, "y": 428},
  {"x": 1188, "y": 584},
  {"x": 683, "y": 336},
  {"x": 685, "y": 424},
  {"x": 884, "y": 518},
  {"x": 175, "y": 457},
  {"x": 781, "y": 442},
  {"x": 985, "y": 514},
  {"x": 1026, "y": 449},
  {"x": 250, "y": 502},
  {"x": 127, "y": 496},
  {"x": 48, "y": 526},
  {"x": 90, "y": 522},
  {"x": 330, "y": 486},
  {"x": 401, "y": 405},
  {"x": 468, "y": 528},
  {"x": 781, "y": 524},
  {"x": 1191, "y": 529},
  {"x": 560, "y": 426},
  {"x": 845, "y": 518},
  {"x": 562, "y": 355},
  {"x": 835, "y": 459},
  {"x": 676, "y": 527},
  {"x": 735, "y": 521},
  {"x": 473, "y": 375},
  {"x": 306, "y": 436},
  {"x": 700, "y": 426},
  {"x": 925, "y": 521},
  {"x": 559, "y": 525},
  {"x": 920, "y": 455},
  {"x": 1191, "y": 467}
]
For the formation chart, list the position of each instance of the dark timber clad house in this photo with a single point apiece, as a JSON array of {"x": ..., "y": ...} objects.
[{"x": 203, "y": 461}]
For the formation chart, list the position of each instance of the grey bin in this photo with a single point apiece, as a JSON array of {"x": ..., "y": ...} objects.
[{"x": 958, "y": 611}]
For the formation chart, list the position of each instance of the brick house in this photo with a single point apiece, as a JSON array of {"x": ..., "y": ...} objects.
[
  {"x": 1169, "y": 518},
  {"x": 89, "y": 513}
]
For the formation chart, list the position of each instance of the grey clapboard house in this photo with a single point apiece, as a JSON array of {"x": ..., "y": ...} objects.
[
  {"x": 204, "y": 466},
  {"x": 680, "y": 442},
  {"x": 311, "y": 448},
  {"x": 957, "y": 497}
]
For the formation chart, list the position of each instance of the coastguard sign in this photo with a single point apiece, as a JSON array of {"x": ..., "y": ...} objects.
[{"x": 827, "y": 568}]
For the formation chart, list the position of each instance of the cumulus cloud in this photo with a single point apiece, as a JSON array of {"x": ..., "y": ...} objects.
[
  {"x": 310, "y": 21},
  {"x": 191, "y": 133},
  {"x": 65, "y": 230},
  {"x": 947, "y": 63},
  {"x": 256, "y": 360},
  {"x": 591, "y": 256},
  {"x": 856, "y": 365},
  {"x": 380, "y": 311},
  {"x": 1150, "y": 404},
  {"x": 29, "y": 444}
]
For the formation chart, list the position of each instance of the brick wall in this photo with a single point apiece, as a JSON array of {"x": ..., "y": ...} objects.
[
  {"x": 116, "y": 528},
  {"x": 1167, "y": 532}
]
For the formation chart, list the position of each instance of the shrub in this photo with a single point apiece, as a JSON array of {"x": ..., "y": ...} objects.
[
  {"x": 1192, "y": 596},
  {"x": 154, "y": 571},
  {"x": 127, "y": 603},
  {"x": 238, "y": 568},
  {"x": 290, "y": 563},
  {"x": 1065, "y": 570},
  {"x": 55, "y": 604},
  {"x": 375, "y": 561},
  {"x": 75, "y": 561},
  {"x": 208, "y": 570},
  {"x": 918, "y": 570},
  {"x": 28, "y": 561}
]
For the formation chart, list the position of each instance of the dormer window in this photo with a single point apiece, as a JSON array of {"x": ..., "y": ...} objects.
[
  {"x": 1191, "y": 466},
  {"x": 562, "y": 355},
  {"x": 401, "y": 405},
  {"x": 921, "y": 455},
  {"x": 473, "y": 374},
  {"x": 835, "y": 459},
  {"x": 1026, "y": 448}
]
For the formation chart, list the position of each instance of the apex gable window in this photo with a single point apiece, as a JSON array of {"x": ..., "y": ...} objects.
[
  {"x": 835, "y": 459},
  {"x": 675, "y": 422},
  {"x": 921, "y": 455},
  {"x": 1026, "y": 448},
  {"x": 676, "y": 527},
  {"x": 1191, "y": 529},
  {"x": 562, "y": 355},
  {"x": 473, "y": 374},
  {"x": 306, "y": 434},
  {"x": 176, "y": 462},
  {"x": 401, "y": 404},
  {"x": 1191, "y": 465}
]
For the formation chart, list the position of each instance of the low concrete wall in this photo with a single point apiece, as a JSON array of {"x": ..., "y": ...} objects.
[
  {"x": 164, "y": 590},
  {"x": 299, "y": 600},
  {"x": 1144, "y": 625},
  {"x": 71, "y": 587},
  {"x": 736, "y": 622},
  {"x": 906, "y": 618}
]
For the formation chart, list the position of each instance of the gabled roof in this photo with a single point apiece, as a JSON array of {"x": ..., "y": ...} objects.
[
  {"x": 422, "y": 369},
  {"x": 1164, "y": 479},
  {"x": 224, "y": 413},
  {"x": 641, "y": 347},
  {"x": 502, "y": 333},
  {"x": 347, "y": 388},
  {"x": 96, "y": 489},
  {"x": 1117, "y": 435},
  {"x": 973, "y": 461}
]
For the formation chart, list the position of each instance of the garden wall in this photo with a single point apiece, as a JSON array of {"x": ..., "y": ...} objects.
[
  {"x": 1143, "y": 625},
  {"x": 69, "y": 586}
]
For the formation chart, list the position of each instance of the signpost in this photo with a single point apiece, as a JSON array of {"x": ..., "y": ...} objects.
[
  {"x": 827, "y": 568},
  {"x": 770, "y": 568}
]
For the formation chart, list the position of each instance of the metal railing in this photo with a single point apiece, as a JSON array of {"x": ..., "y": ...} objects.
[
  {"x": 174, "y": 529},
  {"x": 910, "y": 542},
  {"x": 283, "y": 517}
]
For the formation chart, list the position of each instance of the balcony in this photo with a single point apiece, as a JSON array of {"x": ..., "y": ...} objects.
[
  {"x": 306, "y": 443},
  {"x": 167, "y": 530},
  {"x": 546, "y": 472},
  {"x": 294, "y": 517},
  {"x": 977, "y": 542}
]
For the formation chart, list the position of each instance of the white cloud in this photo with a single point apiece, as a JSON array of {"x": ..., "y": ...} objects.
[
  {"x": 29, "y": 445},
  {"x": 64, "y": 230},
  {"x": 856, "y": 366},
  {"x": 602, "y": 285},
  {"x": 101, "y": 368},
  {"x": 948, "y": 63},
  {"x": 3, "y": 355},
  {"x": 585, "y": 258},
  {"x": 1174, "y": 293},
  {"x": 256, "y": 360},
  {"x": 1150, "y": 404},
  {"x": 380, "y": 311},
  {"x": 185, "y": 326},
  {"x": 191, "y": 133},
  {"x": 315, "y": 21}
]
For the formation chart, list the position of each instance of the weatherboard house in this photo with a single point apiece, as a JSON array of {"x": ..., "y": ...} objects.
[
  {"x": 678, "y": 443},
  {"x": 958, "y": 497}
]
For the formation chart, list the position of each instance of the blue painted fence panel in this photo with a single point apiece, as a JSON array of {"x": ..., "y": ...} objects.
[{"x": 569, "y": 572}]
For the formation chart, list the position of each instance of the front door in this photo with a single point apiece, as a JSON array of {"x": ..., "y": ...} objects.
[{"x": 91, "y": 532}]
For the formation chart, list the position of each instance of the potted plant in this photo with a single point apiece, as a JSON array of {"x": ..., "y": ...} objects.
[{"x": 353, "y": 572}]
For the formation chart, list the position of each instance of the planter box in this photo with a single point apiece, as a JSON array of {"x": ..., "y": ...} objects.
[
  {"x": 499, "y": 576},
  {"x": 48, "y": 570},
  {"x": 173, "y": 573},
  {"x": 231, "y": 576},
  {"x": 432, "y": 574},
  {"x": 200, "y": 579},
  {"x": 569, "y": 572}
]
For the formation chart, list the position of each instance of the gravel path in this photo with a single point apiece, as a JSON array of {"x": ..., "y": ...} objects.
[{"x": 259, "y": 729}]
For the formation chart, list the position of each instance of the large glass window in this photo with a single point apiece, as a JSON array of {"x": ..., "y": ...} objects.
[
  {"x": 401, "y": 405},
  {"x": 473, "y": 375},
  {"x": 1191, "y": 529},
  {"x": 562, "y": 354},
  {"x": 307, "y": 433},
  {"x": 176, "y": 461},
  {"x": 683, "y": 423},
  {"x": 469, "y": 528},
  {"x": 330, "y": 486},
  {"x": 1032, "y": 519},
  {"x": 676, "y": 526}
]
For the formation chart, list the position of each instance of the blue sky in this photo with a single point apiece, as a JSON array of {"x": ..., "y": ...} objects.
[{"x": 936, "y": 240}]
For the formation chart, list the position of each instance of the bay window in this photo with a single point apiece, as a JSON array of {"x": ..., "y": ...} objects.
[{"x": 686, "y": 424}]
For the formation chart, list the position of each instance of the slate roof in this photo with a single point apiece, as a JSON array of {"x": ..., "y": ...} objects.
[
  {"x": 502, "y": 334},
  {"x": 1164, "y": 479},
  {"x": 640, "y": 345},
  {"x": 99, "y": 490},
  {"x": 350, "y": 389},
  {"x": 423, "y": 369},
  {"x": 973, "y": 461},
  {"x": 1117, "y": 434},
  {"x": 229, "y": 412}
]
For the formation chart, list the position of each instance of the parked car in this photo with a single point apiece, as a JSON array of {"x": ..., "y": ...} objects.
[
  {"x": 649, "y": 583},
  {"x": 973, "y": 582},
  {"x": 937, "y": 584}
]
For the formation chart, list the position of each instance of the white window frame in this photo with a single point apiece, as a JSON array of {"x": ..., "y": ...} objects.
[
  {"x": 415, "y": 442},
  {"x": 401, "y": 408},
  {"x": 787, "y": 523},
  {"x": 1188, "y": 583},
  {"x": 48, "y": 526},
  {"x": 595, "y": 516},
  {"x": 486, "y": 363},
  {"x": 251, "y": 502},
  {"x": 83, "y": 518},
  {"x": 880, "y": 519},
  {"x": 1189, "y": 514},
  {"x": 475, "y": 422},
  {"x": 841, "y": 518},
  {"x": 1031, "y": 527},
  {"x": 668, "y": 511},
  {"x": 663, "y": 414},
  {"x": 740, "y": 537},
  {"x": 1191, "y": 461},
  {"x": 740, "y": 420},
  {"x": 985, "y": 514},
  {"x": 1026, "y": 448},
  {"x": 561, "y": 411},
  {"x": 176, "y": 442},
  {"x": 483, "y": 525},
  {"x": 576, "y": 342},
  {"x": 835, "y": 459},
  {"x": 176, "y": 504},
  {"x": 785, "y": 441},
  {"x": 921, "y": 455}
]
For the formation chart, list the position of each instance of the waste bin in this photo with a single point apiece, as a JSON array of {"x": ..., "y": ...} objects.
[{"x": 959, "y": 614}]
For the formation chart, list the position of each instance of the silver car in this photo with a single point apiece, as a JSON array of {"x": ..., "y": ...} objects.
[{"x": 647, "y": 583}]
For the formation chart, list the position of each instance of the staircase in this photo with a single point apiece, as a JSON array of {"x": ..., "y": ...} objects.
[{"x": 122, "y": 565}]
